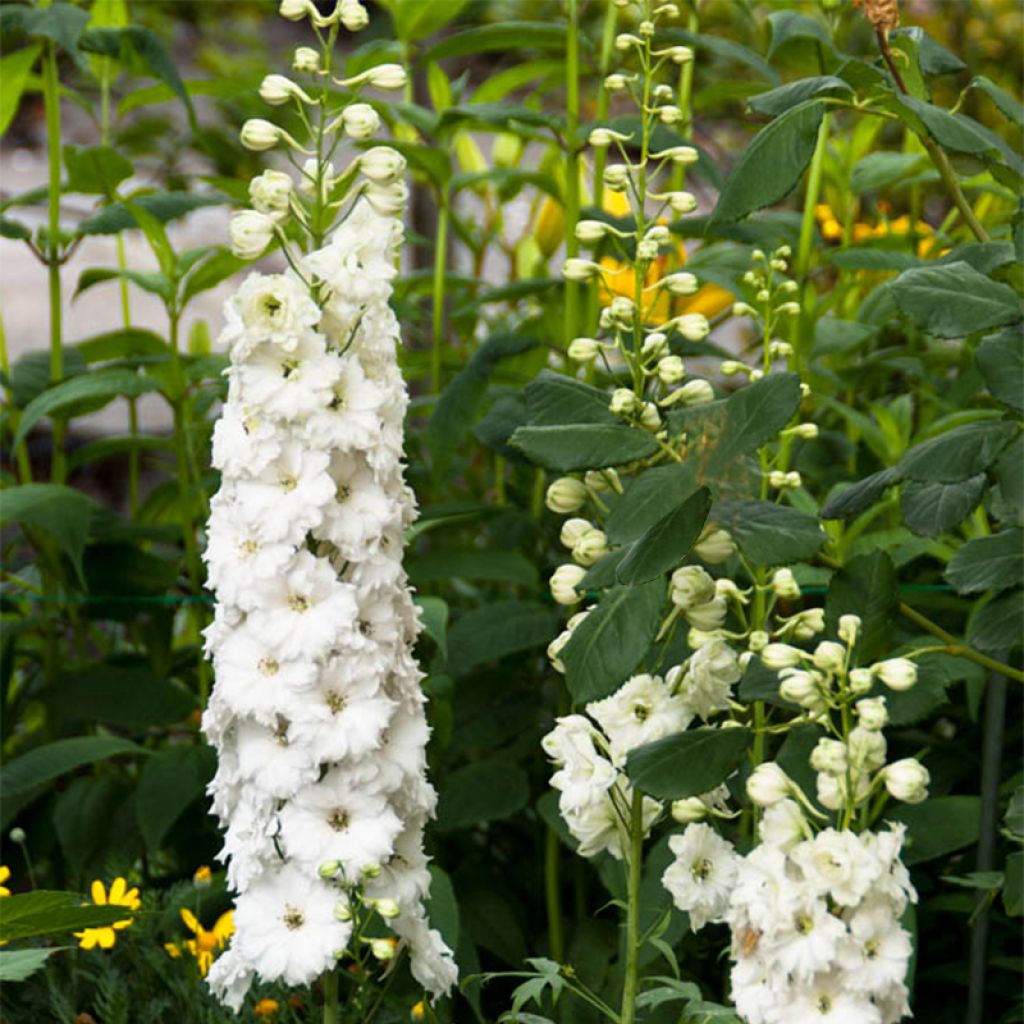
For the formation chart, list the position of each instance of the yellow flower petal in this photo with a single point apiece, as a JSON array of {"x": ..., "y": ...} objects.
[
  {"x": 191, "y": 922},
  {"x": 98, "y": 891},
  {"x": 117, "y": 890}
]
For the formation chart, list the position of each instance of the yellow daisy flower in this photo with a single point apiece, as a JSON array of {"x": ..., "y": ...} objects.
[
  {"x": 119, "y": 896},
  {"x": 5, "y": 873},
  {"x": 207, "y": 943},
  {"x": 266, "y": 1008}
]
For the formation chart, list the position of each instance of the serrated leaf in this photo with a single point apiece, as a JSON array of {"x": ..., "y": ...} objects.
[
  {"x": 770, "y": 534},
  {"x": 95, "y": 170},
  {"x": 497, "y": 630},
  {"x": 960, "y": 453},
  {"x": 583, "y": 446},
  {"x": 21, "y": 964},
  {"x": 1001, "y": 361},
  {"x": 609, "y": 643},
  {"x": 687, "y": 763},
  {"x": 858, "y": 497},
  {"x": 930, "y": 508},
  {"x": 645, "y": 499},
  {"x": 988, "y": 563},
  {"x": 667, "y": 542},
  {"x": 865, "y": 586},
  {"x": 483, "y": 791},
  {"x": 938, "y": 826},
  {"x": 552, "y": 399},
  {"x": 995, "y": 628},
  {"x": 170, "y": 781},
  {"x": 44, "y": 912}
]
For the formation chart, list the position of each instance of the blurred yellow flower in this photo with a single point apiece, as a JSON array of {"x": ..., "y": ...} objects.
[
  {"x": 266, "y": 1008},
  {"x": 418, "y": 1012},
  {"x": 207, "y": 943},
  {"x": 120, "y": 896},
  {"x": 203, "y": 877},
  {"x": 832, "y": 230},
  {"x": 5, "y": 873}
]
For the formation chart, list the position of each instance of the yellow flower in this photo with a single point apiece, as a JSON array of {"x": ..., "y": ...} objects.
[
  {"x": 206, "y": 943},
  {"x": 418, "y": 1012},
  {"x": 266, "y": 1008},
  {"x": 120, "y": 896},
  {"x": 5, "y": 873},
  {"x": 203, "y": 877}
]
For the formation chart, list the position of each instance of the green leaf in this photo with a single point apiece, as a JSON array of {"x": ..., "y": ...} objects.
[
  {"x": 858, "y": 497},
  {"x": 772, "y": 165},
  {"x": 789, "y": 26},
  {"x": 936, "y": 672},
  {"x": 552, "y": 399},
  {"x": 14, "y": 71},
  {"x": 951, "y": 131},
  {"x": 583, "y": 446},
  {"x": 1009, "y": 106},
  {"x": 100, "y": 387},
  {"x": 930, "y": 508},
  {"x": 770, "y": 534},
  {"x": 988, "y": 563},
  {"x": 128, "y": 694},
  {"x": 878, "y": 171},
  {"x": 609, "y": 643},
  {"x": 727, "y": 49},
  {"x": 171, "y": 780},
  {"x": 488, "y": 565},
  {"x": 43, "y": 912},
  {"x": 497, "y": 630},
  {"x": 95, "y": 170},
  {"x": 127, "y": 343},
  {"x": 150, "y": 281},
  {"x": 778, "y": 101},
  {"x": 865, "y": 586},
  {"x": 954, "y": 300},
  {"x": 44, "y": 764},
  {"x": 869, "y": 257},
  {"x": 839, "y": 337},
  {"x": 995, "y": 627},
  {"x": 414, "y": 21},
  {"x": 938, "y": 826},
  {"x": 434, "y": 617},
  {"x": 935, "y": 59},
  {"x": 483, "y": 791},
  {"x": 214, "y": 269},
  {"x": 442, "y": 907},
  {"x": 500, "y": 37},
  {"x": 960, "y": 453},
  {"x": 645, "y": 499},
  {"x": 64, "y": 513},
  {"x": 19, "y": 964},
  {"x": 61, "y": 22},
  {"x": 1001, "y": 361},
  {"x": 666, "y": 543},
  {"x": 164, "y": 206},
  {"x": 688, "y": 763},
  {"x": 1013, "y": 886}
]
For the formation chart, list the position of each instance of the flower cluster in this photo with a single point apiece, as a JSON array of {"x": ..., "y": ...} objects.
[
  {"x": 317, "y": 713},
  {"x": 815, "y": 920}
]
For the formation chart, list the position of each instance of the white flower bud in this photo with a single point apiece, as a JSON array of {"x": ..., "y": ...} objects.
[
  {"x": 564, "y": 581},
  {"x": 689, "y": 810},
  {"x": 806, "y": 624},
  {"x": 647, "y": 250},
  {"x": 623, "y": 402},
  {"x": 659, "y": 234},
  {"x": 613, "y": 83},
  {"x": 601, "y": 138},
  {"x": 271, "y": 191},
  {"x": 601, "y": 480},
  {"x": 742, "y": 309},
  {"x": 680, "y": 54},
  {"x": 678, "y": 154},
  {"x": 387, "y": 908},
  {"x": 295, "y": 10},
  {"x": 572, "y": 530},
  {"x": 622, "y": 309},
  {"x": 784, "y": 585},
  {"x": 849, "y": 627},
  {"x": 360, "y": 120},
  {"x": 680, "y": 283},
  {"x": 897, "y": 673},
  {"x": 709, "y": 616},
  {"x": 789, "y": 309},
  {"x": 386, "y": 76},
  {"x": 353, "y": 15},
  {"x": 565, "y": 495},
  {"x": 624, "y": 41},
  {"x": 867, "y": 749},
  {"x": 258, "y": 134},
  {"x": 655, "y": 345},
  {"x": 650, "y": 419},
  {"x": 590, "y": 548},
  {"x": 693, "y": 392},
  {"x": 860, "y": 680},
  {"x": 278, "y": 89},
  {"x": 671, "y": 370},
  {"x": 693, "y": 326},
  {"x": 776, "y": 656},
  {"x": 343, "y": 910},
  {"x": 907, "y": 780},
  {"x": 579, "y": 270},
  {"x": 669, "y": 114},
  {"x": 690, "y": 586},
  {"x": 555, "y": 649},
  {"x": 757, "y": 641},
  {"x": 583, "y": 350},
  {"x": 872, "y": 713},
  {"x": 388, "y": 200},
  {"x": 646, "y": 29},
  {"x": 801, "y": 687},
  {"x": 383, "y": 949},
  {"x": 768, "y": 784},
  {"x": 382, "y": 164},
  {"x": 829, "y": 656},
  {"x": 682, "y": 202},
  {"x": 250, "y": 233},
  {"x": 589, "y": 232},
  {"x": 714, "y": 546},
  {"x": 829, "y": 756},
  {"x": 306, "y": 59},
  {"x": 329, "y": 869},
  {"x": 616, "y": 177}
]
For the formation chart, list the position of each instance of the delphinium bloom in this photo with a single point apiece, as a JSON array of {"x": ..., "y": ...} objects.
[{"x": 317, "y": 713}]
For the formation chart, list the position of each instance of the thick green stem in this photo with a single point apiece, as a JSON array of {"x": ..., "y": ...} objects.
[
  {"x": 51, "y": 103},
  {"x": 330, "y": 986},
  {"x": 437, "y": 295},
  {"x": 634, "y": 868},
  {"x": 572, "y": 165}
]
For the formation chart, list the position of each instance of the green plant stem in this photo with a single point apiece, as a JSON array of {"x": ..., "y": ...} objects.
[
  {"x": 957, "y": 648},
  {"x": 330, "y": 986},
  {"x": 634, "y": 868},
  {"x": 804, "y": 323},
  {"x": 605, "y": 64},
  {"x": 552, "y": 895},
  {"x": 437, "y": 293},
  {"x": 572, "y": 164},
  {"x": 51, "y": 103}
]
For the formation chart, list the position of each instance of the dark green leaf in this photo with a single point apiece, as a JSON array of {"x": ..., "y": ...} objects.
[
  {"x": 666, "y": 543},
  {"x": 415, "y": 21},
  {"x": 938, "y": 826},
  {"x": 996, "y": 627},
  {"x": 43, "y": 912},
  {"x": 583, "y": 446},
  {"x": 645, "y": 499},
  {"x": 95, "y": 170},
  {"x": 128, "y": 343},
  {"x": 442, "y": 907},
  {"x": 61, "y": 22},
  {"x": 727, "y": 49},
  {"x": 935, "y": 59},
  {"x": 951, "y": 131},
  {"x": 954, "y": 300},
  {"x": 770, "y": 534},
  {"x": 760, "y": 683},
  {"x": 881, "y": 170},
  {"x": 771, "y": 165},
  {"x": 865, "y": 586},
  {"x": 19, "y": 964},
  {"x": 1009, "y": 106},
  {"x": 164, "y": 206},
  {"x": 484, "y": 791},
  {"x": 496, "y": 630},
  {"x": 778, "y": 101},
  {"x": 434, "y": 617},
  {"x": 960, "y": 453},
  {"x": 789, "y": 26},
  {"x": 865, "y": 257},
  {"x": 936, "y": 672},
  {"x": 610, "y": 642},
  {"x": 503, "y": 36},
  {"x": 171, "y": 780},
  {"x": 839, "y": 337},
  {"x": 688, "y": 763},
  {"x": 30, "y": 375},
  {"x": 1013, "y": 886},
  {"x": 858, "y": 497},
  {"x": 552, "y": 399},
  {"x": 1001, "y": 361},
  {"x": 217, "y": 267},
  {"x": 988, "y": 563},
  {"x": 931, "y": 508},
  {"x": 490, "y": 565}
]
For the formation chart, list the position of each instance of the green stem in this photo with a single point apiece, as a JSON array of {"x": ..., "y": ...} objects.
[
  {"x": 607, "y": 49},
  {"x": 572, "y": 164},
  {"x": 330, "y": 986},
  {"x": 805, "y": 250},
  {"x": 437, "y": 295},
  {"x": 634, "y": 867},
  {"x": 51, "y": 103},
  {"x": 959, "y": 649},
  {"x": 552, "y": 894}
]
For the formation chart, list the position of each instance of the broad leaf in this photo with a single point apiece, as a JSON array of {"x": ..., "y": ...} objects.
[
  {"x": 19, "y": 964},
  {"x": 171, "y": 780},
  {"x": 996, "y": 627},
  {"x": 770, "y": 534},
  {"x": 496, "y": 630},
  {"x": 583, "y": 446},
  {"x": 42, "y": 912},
  {"x": 482, "y": 791},
  {"x": 666, "y": 543},
  {"x": 988, "y": 563},
  {"x": 687, "y": 763},
  {"x": 960, "y": 453},
  {"x": 552, "y": 399},
  {"x": 14, "y": 72},
  {"x": 645, "y": 499},
  {"x": 938, "y": 826},
  {"x": 865, "y": 586},
  {"x": 95, "y": 170},
  {"x": 1001, "y": 361},
  {"x": 931, "y": 508},
  {"x": 858, "y": 497},
  {"x": 778, "y": 101}
]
